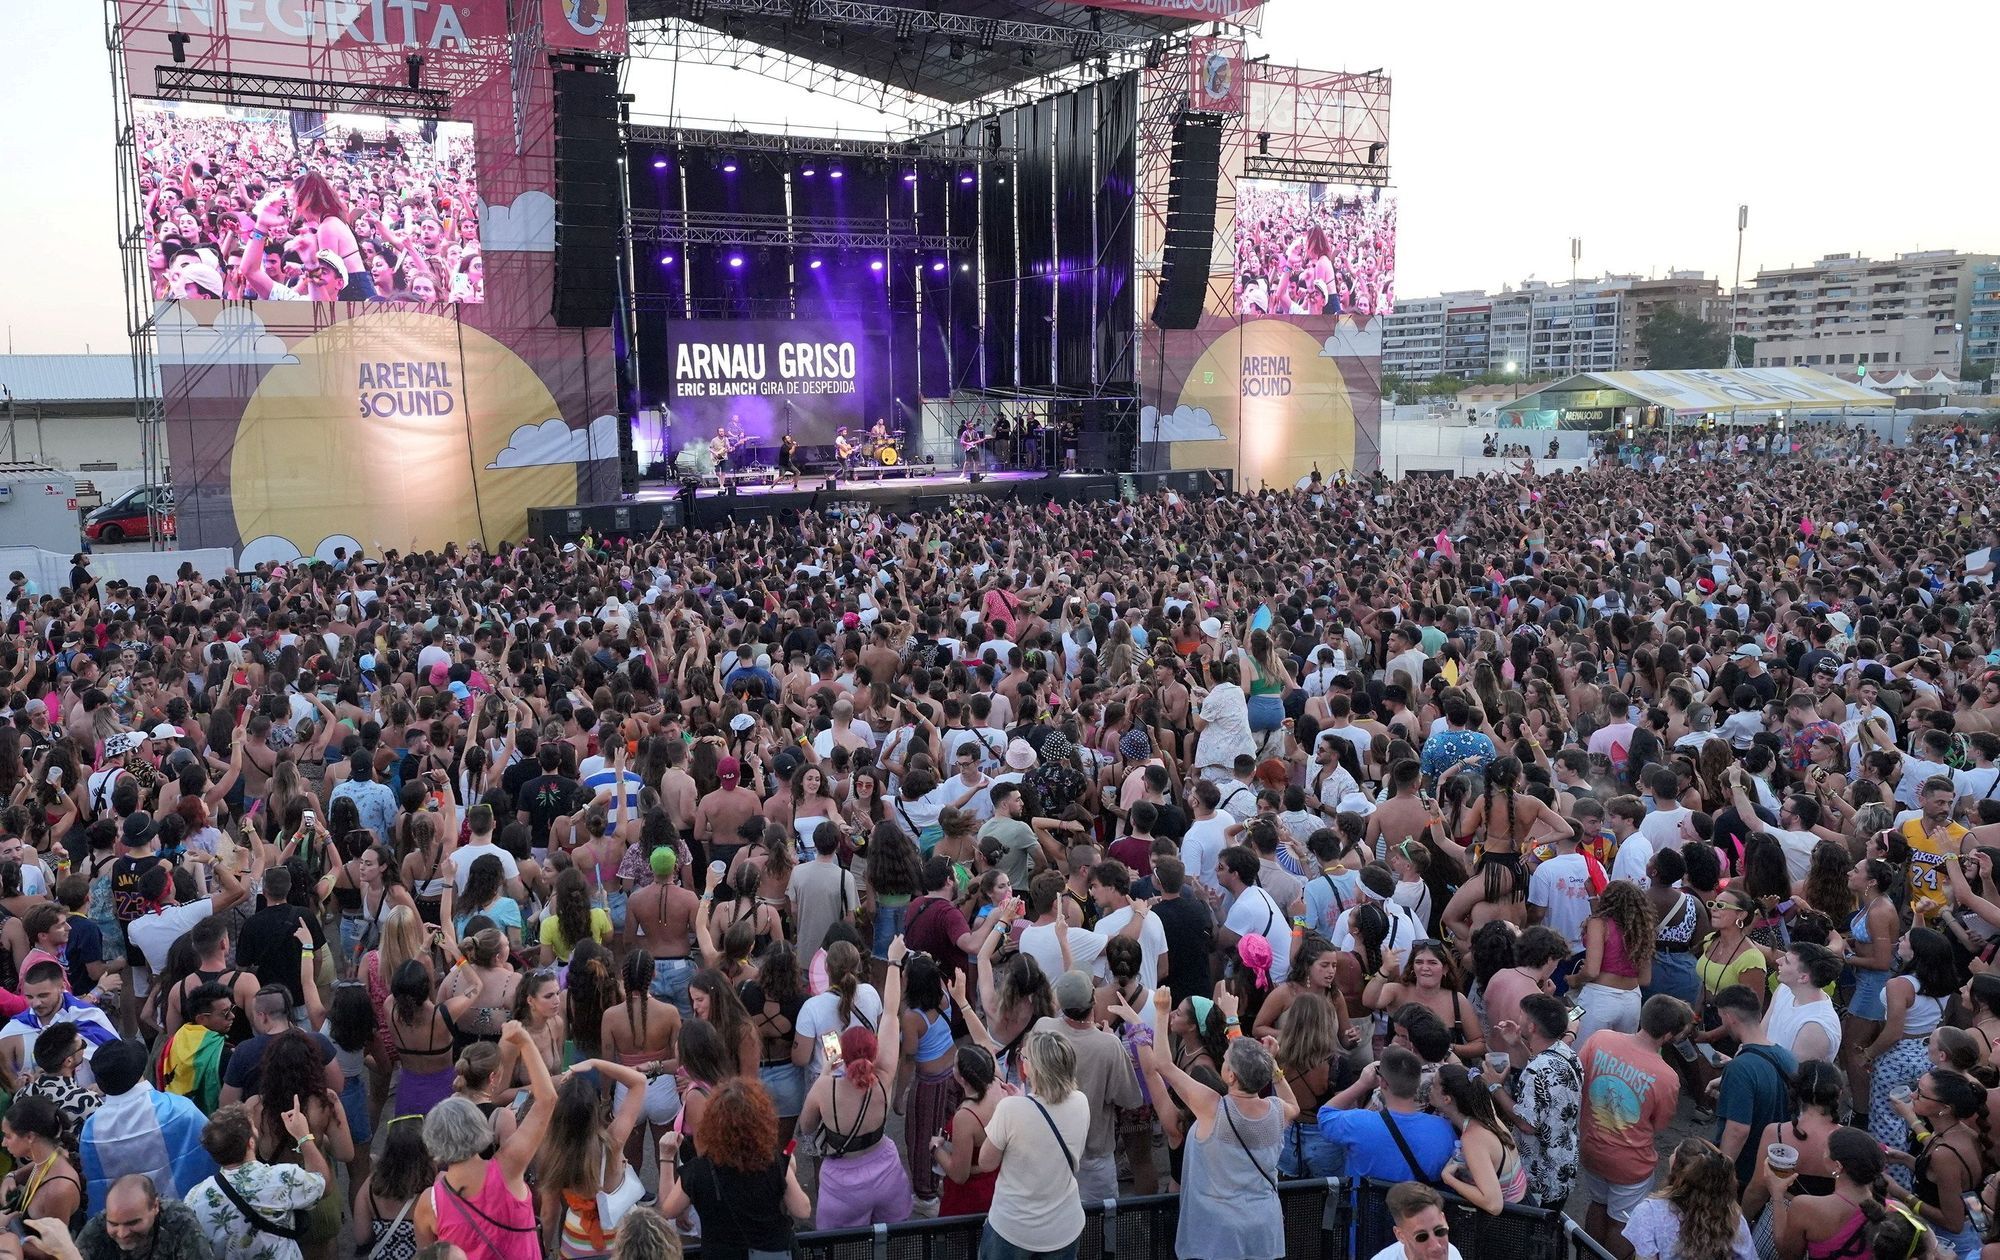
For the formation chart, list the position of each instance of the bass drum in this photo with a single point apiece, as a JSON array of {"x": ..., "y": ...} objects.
[{"x": 887, "y": 455}]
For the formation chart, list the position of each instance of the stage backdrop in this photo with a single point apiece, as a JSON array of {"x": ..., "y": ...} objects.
[
  {"x": 772, "y": 377},
  {"x": 294, "y": 426}
]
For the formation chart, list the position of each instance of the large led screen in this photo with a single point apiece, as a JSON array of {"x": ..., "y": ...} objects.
[
  {"x": 281, "y": 205},
  {"x": 1314, "y": 249},
  {"x": 767, "y": 378}
]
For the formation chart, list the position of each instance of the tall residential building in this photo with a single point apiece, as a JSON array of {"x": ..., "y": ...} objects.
[
  {"x": 1982, "y": 325},
  {"x": 1693, "y": 293},
  {"x": 1413, "y": 338},
  {"x": 1543, "y": 329},
  {"x": 1845, "y": 311}
]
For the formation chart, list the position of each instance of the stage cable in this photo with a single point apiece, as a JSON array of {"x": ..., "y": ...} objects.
[{"x": 471, "y": 455}]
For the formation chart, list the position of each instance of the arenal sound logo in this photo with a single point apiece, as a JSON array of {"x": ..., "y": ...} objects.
[{"x": 586, "y": 17}]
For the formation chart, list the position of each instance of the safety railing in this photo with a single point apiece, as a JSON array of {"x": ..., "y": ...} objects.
[{"x": 1332, "y": 1217}]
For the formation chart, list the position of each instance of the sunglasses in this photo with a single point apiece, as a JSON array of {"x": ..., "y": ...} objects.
[
  {"x": 1737, "y": 906},
  {"x": 1423, "y": 1236}
]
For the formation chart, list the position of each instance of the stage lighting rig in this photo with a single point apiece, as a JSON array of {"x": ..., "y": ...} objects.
[{"x": 179, "y": 41}]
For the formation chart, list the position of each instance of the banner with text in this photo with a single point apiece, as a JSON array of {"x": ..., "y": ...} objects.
[
  {"x": 1190, "y": 10},
  {"x": 772, "y": 377}
]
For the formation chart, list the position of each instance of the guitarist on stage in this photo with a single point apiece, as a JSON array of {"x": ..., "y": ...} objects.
[
  {"x": 844, "y": 450},
  {"x": 971, "y": 441}
]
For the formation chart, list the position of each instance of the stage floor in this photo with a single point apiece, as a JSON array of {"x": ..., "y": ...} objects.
[{"x": 932, "y": 483}]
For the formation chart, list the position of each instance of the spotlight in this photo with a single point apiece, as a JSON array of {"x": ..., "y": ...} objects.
[
  {"x": 906, "y": 25},
  {"x": 666, "y": 260},
  {"x": 179, "y": 40},
  {"x": 735, "y": 261},
  {"x": 729, "y": 166},
  {"x": 965, "y": 178},
  {"x": 415, "y": 65},
  {"x": 801, "y": 10},
  {"x": 1027, "y": 58},
  {"x": 808, "y": 172},
  {"x": 992, "y": 137},
  {"x": 659, "y": 164},
  {"x": 965, "y": 266},
  {"x": 1103, "y": 66},
  {"x": 987, "y": 30},
  {"x": 938, "y": 265},
  {"x": 836, "y": 173},
  {"x": 909, "y": 177},
  {"x": 697, "y": 10},
  {"x": 815, "y": 264},
  {"x": 1264, "y": 143},
  {"x": 957, "y": 49},
  {"x": 876, "y": 265}
]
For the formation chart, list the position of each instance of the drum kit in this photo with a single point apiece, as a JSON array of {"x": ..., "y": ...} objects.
[{"x": 886, "y": 452}]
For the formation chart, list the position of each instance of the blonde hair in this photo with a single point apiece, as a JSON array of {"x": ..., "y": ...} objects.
[{"x": 1051, "y": 1063}]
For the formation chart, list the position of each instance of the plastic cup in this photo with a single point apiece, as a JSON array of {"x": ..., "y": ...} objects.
[
  {"x": 1497, "y": 1064},
  {"x": 1781, "y": 1159},
  {"x": 1901, "y": 1093}
]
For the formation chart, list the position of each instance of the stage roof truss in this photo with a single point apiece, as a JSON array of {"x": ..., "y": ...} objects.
[
  {"x": 659, "y": 227},
  {"x": 954, "y": 56},
  {"x": 786, "y": 144},
  {"x": 1308, "y": 171}
]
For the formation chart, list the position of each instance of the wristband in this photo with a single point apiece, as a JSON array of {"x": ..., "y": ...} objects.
[
  {"x": 1232, "y": 1033},
  {"x": 1233, "y": 1022},
  {"x": 256, "y": 234},
  {"x": 307, "y": 1138}
]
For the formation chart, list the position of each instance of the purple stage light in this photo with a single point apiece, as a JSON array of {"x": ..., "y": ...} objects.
[
  {"x": 836, "y": 173},
  {"x": 729, "y": 168},
  {"x": 659, "y": 164},
  {"x": 965, "y": 179},
  {"x": 666, "y": 260},
  {"x": 909, "y": 177},
  {"x": 814, "y": 264},
  {"x": 736, "y": 260},
  {"x": 937, "y": 266},
  {"x": 809, "y": 172},
  {"x": 876, "y": 265}
]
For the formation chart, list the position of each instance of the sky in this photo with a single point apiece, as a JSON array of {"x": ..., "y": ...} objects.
[{"x": 1845, "y": 127}]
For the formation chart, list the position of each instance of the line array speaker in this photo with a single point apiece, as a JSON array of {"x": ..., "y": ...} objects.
[
  {"x": 587, "y": 197},
  {"x": 1191, "y": 176}
]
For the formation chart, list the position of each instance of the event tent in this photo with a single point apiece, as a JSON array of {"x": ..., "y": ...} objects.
[{"x": 1595, "y": 399}]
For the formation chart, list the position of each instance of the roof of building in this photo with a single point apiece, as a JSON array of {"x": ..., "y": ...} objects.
[
  {"x": 1701, "y": 390},
  {"x": 67, "y": 377}
]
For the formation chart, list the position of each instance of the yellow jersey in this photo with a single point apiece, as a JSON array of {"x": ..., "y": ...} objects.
[{"x": 1930, "y": 886}]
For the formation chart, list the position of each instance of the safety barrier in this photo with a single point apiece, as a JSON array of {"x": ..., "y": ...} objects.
[{"x": 1332, "y": 1218}]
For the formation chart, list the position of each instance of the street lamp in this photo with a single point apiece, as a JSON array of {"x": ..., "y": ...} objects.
[{"x": 1513, "y": 369}]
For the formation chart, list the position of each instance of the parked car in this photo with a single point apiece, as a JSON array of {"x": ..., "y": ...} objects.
[{"x": 128, "y": 518}]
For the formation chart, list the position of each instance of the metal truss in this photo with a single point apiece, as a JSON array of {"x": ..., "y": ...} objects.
[
  {"x": 912, "y": 23},
  {"x": 194, "y": 83},
  {"x": 662, "y": 227},
  {"x": 1305, "y": 170},
  {"x": 927, "y": 149},
  {"x": 915, "y": 112}
]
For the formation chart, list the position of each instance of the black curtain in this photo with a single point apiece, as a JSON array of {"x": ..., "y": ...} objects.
[
  {"x": 1075, "y": 232},
  {"x": 760, "y": 285},
  {"x": 1117, "y": 167},
  {"x": 966, "y": 369},
  {"x": 1038, "y": 247},
  {"x": 1000, "y": 274},
  {"x": 934, "y": 180}
]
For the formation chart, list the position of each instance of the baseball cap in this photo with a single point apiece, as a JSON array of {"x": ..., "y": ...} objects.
[
  {"x": 729, "y": 768},
  {"x": 167, "y": 730},
  {"x": 137, "y": 830},
  {"x": 742, "y": 723},
  {"x": 1074, "y": 992}
]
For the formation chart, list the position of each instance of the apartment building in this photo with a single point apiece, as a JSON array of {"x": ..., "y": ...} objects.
[
  {"x": 1982, "y": 325},
  {"x": 1844, "y": 311},
  {"x": 1543, "y": 329}
]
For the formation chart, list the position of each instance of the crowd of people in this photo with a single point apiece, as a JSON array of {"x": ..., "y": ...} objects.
[
  {"x": 241, "y": 204},
  {"x": 1620, "y": 842},
  {"x": 1314, "y": 249}
]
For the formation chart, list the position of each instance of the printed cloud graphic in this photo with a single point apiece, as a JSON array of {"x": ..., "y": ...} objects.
[
  {"x": 236, "y": 336},
  {"x": 526, "y": 226},
  {"x": 1350, "y": 342},
  {"x": 274, "y": 549},
  {"x": 554, "y": 442},
  {"x": 1183, "y": 424}
]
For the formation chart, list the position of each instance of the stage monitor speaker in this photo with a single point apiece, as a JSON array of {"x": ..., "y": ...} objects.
[
  {"x": 1191, "y": 177},
  {"x": 588, "y": 197}
]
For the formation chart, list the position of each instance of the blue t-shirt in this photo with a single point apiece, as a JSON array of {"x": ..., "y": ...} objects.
[
  {"x": 1327, "y": 895},
  {"x": 1372, "y": 1151},
  {"x": 1756, "y": 1091},
  {"x": 86, "y": 946}
]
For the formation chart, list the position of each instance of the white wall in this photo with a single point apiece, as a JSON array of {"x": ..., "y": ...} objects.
[
  {"x": 1453, "y": 448},
  {"x": 67, "y": 441},
  {"x": 50, "y": 569}
]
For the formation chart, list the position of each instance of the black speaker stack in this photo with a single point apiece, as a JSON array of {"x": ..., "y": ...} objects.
[
  {"x": 587, "y": 194},
  {"x": 1197, "y": 154}
]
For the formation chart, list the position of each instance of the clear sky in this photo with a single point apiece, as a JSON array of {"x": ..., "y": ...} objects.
[{"x": 1846, "y": 127}]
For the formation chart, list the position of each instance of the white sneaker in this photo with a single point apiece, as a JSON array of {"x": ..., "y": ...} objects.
[{"x": 923, "y": 1207}]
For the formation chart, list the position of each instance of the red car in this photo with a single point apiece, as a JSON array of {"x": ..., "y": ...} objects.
[{"x": 128, "y": 517}]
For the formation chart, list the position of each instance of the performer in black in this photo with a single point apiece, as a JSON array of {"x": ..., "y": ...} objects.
[
  {"x": 972, "y": 442},
  {"x": 1004, "y": 447},
  {"x": 788, "y": 458}
]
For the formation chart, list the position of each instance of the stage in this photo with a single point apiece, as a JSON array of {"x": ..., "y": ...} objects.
[{"x": 704, "y": 507}]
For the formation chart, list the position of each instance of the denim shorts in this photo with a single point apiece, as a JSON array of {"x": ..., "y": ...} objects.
[
  {"x": 670, "y": 983},
  {"x": 888, "y": 926}
]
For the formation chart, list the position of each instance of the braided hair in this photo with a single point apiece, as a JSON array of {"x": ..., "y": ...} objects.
[{"x": 1503, "y": 776}]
